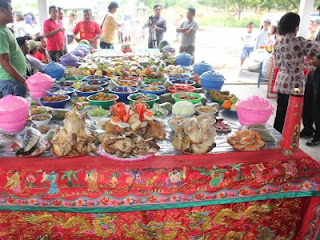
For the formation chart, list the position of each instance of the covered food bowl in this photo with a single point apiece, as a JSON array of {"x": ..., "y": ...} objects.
[
  {"x": 201, "y": 67},
  {"x": 54, "y": 70},
  {"x": 38, "y": 84},
  {"x": 254, "y": 110},
  {"x": 184, "y": 59},
  {"x": 212, "y": 80},
  {"x": 14, "y": 112}
]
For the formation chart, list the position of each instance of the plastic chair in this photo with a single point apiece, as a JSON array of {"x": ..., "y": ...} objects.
[{"x": 260, "y": 77}]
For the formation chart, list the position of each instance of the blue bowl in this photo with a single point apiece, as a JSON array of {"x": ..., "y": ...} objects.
[
  {"x": 60, "y": 104},
  {"x": 189, "y": 82},
  {"x": 212, "y": 85},
  {"x": 87, "y": 94},
  {"x": 157, "y": 92},
  {"x": 123, "y": 92},
  {"x": 95, "y": 77},
  {"x": 179, "y": 77},
  {"x": 100, "y": 83},
  {"x": 53, "y": 91},
  {"x": 65, "y": 84}
]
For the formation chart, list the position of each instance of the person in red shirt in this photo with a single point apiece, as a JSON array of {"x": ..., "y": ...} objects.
[
  {"x": 89, "y": 29},
  {"x": 54, "y": 32}
]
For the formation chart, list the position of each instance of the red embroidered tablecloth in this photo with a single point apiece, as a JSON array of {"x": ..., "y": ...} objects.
[{"x": 218, "y": 196}]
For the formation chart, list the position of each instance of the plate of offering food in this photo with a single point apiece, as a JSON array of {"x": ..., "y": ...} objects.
[
  {"x": 131, "y": 134},
  {"x": 29, "y": 143},
  {"x": 246, "y": 141}
]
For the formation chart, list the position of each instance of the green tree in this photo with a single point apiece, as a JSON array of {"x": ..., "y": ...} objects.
[{"x": 69, "y": 175}]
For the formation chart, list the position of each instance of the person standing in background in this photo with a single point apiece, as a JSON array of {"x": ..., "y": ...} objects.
[
  {"x": 109, "y": 27},
  {"x": 263, "y": 36},
  {"x": 89, "y": 29},
  {"x": 248, "y": 40},
  {"x": 157, "y": 25},
  {"x": 188, "y": 30},
  {"x": 54, "y": 32},
  {"x": 289, "y": 53},
  {"x": 12, "y": 62},
  {"x": 70, "y": 25}
]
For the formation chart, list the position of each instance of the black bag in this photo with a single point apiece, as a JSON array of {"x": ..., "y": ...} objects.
[{"x": 103, "y": 21}]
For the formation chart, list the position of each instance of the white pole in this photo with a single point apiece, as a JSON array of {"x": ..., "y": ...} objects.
[
  {"x": 305, "y": 10},
  {"x": 43, "y": 13}
]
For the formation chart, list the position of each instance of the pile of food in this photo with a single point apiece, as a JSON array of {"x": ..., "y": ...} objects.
[
  {"x": 186, "y": 96},
  {"x": 151, "y": 88},
  {"x": 88, "y": 89},
  {"x": 247, "y": 140},
  {"x": 103, "y": 97},
  {"x": 54, "y": 98},
  {"x": 131, "y": 131},
  {"x": 98, "y": 112},
  {"x": 195, "y": 135},
  {"x": 73, "y": 139},
  {"x": 220, "y": 96},
  {"x": 28, "y": 144},
  {"x": 142, "y": 97}
]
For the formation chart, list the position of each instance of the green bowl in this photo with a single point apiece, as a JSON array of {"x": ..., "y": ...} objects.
[
  {"x": 104, "y": 104},
  {"x": 151, "y": 80},
  {"x": 194, "y": 101},
  {"x": 150, "y": 103},
  {"x": 71, "y": 79}
]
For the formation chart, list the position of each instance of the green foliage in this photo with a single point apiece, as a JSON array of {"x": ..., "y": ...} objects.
[{"x": 224, "y": 20}]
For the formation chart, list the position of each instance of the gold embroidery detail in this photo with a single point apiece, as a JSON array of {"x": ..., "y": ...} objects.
[
  {"x": 232, "y": 235},
  {"x": 105, "y": 220},
  {"x": 51, "y": 221},
  {"x": 200, "y": 220},
  {"x": 251, "y": 212},
  {"x": 153, "y": 230}
]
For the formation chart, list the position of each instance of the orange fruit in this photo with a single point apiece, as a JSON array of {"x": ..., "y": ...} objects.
[
  {"x": 148, "y": 71},
  {"x": 227, "y": 104}
]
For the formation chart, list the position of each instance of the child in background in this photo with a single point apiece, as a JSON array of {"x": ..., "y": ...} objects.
[
  {"x": 42, "y": 53},
  {"x": 248, "y": 42}
]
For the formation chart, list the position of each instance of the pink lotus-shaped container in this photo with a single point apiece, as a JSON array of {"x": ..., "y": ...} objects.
[
  {"x": 254, "y": 110},
  {"x": 14, "y": 112},
  {"x": 39, "y": 83}
]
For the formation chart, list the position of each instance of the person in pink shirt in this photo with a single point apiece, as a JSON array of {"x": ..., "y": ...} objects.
[
  {"x": 89, "y": 29},
  {"x": 54, "y": 32}
]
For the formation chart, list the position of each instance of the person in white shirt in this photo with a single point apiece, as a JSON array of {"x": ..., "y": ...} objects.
[
  {"x": 263, "y": 36},
  {"x": 36, "y": 64},
  {"x": 248, "y": 40},
  {"x": 70, "y": 24}
]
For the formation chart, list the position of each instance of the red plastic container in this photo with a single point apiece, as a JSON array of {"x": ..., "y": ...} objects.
[{"x": 181, "y": 88}]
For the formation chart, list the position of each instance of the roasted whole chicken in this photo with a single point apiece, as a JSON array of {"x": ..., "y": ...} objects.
[
  {"x": 73, "y": 139},
  {"x": 131, "y": 131},
  {"x": 196, "y": 135}
]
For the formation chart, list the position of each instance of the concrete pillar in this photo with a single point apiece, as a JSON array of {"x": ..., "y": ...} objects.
[
  {"x": 43, "y": 12},
  {"x": 305, "y": 10}
]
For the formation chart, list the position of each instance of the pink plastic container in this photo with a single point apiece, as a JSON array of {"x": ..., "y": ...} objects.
[
  {"x": 254, "y": 110},
  {"x": 14, "y": 112},
  {"x": 39, "y": 83}
]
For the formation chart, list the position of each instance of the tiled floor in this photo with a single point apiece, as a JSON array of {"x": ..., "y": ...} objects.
[{"x": 245, "y": 87}]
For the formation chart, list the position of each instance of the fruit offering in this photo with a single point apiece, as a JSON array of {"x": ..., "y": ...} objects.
[{"x": 220, "y": 96}]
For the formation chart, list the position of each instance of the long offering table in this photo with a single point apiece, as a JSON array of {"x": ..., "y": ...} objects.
[{"x": 236, "y": 195}]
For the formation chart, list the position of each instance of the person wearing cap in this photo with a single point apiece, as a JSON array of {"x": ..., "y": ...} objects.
[
  {"x": 36, "y": 64},
  {"x": 263, "y": 36},
  {"x": 13, "y": 66}
]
